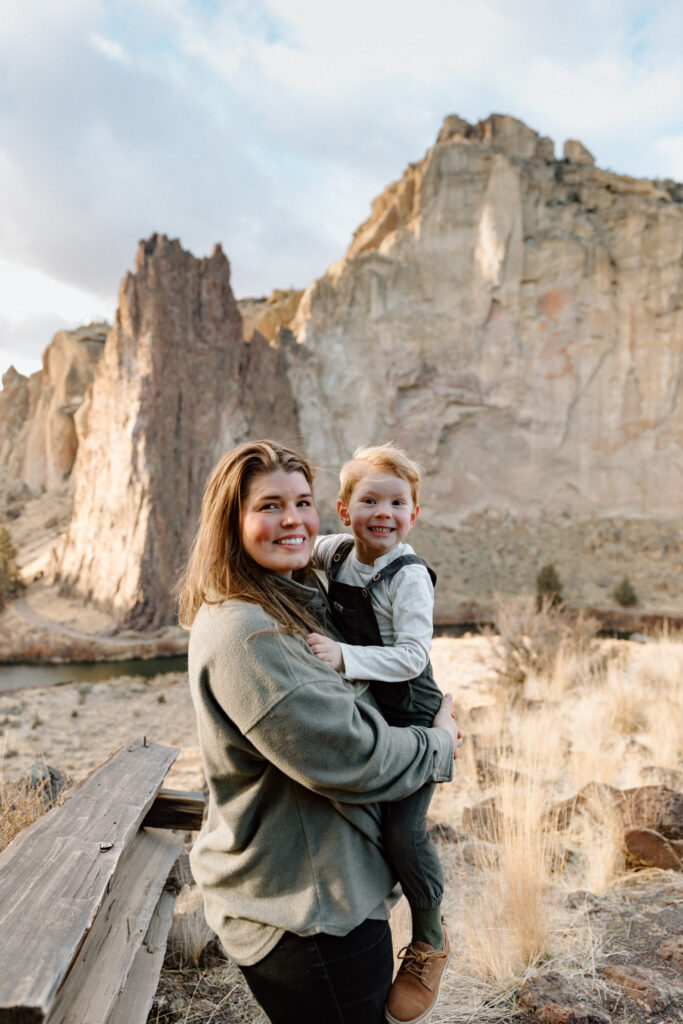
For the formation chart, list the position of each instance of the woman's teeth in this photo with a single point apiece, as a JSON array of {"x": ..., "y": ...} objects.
[{"x": 291, "y": 542}]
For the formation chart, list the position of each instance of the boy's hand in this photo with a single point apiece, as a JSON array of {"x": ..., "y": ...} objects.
[{"x": 327, "y": 650}]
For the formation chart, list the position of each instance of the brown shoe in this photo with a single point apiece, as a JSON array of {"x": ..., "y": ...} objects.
[{"x": 416, "y": 989}]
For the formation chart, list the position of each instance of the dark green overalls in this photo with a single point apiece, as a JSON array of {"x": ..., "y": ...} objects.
[{"x": 415, "y": 702}]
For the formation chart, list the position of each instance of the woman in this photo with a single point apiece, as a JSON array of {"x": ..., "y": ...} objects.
[{"x": 289, "y": 861}]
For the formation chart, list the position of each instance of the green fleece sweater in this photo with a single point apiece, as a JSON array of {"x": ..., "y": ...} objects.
[{"x": 296, "y": 763}]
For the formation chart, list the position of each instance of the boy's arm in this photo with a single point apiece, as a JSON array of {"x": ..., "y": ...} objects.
[
  {"x": 412, "y": 596},
  {"x": 324, "y": 547}
]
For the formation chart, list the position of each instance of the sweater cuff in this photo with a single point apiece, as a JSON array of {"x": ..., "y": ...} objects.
[{"x": 443, "y": 755}]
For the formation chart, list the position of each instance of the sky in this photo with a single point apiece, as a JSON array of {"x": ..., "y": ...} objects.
[{"x": 270, "y": 125}]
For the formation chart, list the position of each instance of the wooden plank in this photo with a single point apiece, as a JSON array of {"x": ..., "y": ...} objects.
[
  {"x": 174, "y": 808},
  {"x": 101, "y": 968},
  {"x": 55, "y": 875},
  {"x": 135, "y": 1002}
]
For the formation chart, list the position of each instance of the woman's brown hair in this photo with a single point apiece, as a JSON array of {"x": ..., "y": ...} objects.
[{"x": 219, "y": 567}]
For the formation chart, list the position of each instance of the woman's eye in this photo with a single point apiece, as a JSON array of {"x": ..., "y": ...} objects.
[
  {"x": 304, "y": 503},
  {"x": 268, "y": 506}
]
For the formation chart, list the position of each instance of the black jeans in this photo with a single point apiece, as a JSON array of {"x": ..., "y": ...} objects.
[{"x": 326, "y": 979}]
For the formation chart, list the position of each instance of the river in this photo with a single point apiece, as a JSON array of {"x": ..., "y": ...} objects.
[{"x": 19, "y": 677}]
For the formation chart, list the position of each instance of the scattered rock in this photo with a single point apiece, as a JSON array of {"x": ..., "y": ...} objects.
[
  {"x": 647, "y": 986},
  {"x": 671, "y": 950},
  {"x": 645, "y": 846},
  {"x": 47, "y": 780},
  {"x": 483, "y": 820},
  {"x": 551, "y": 999}
]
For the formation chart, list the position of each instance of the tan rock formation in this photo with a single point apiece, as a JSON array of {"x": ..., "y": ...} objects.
[
  {"x": 576, "y": 153},
  {"x": 38, "y": 439},
  {"x": 51, "y": 441},
  {"x": 14, "y": 408},
  {"x": 267, "y": 316},
  {"x": 516, "y": 324},
  {"x": 175, "y": 387}
]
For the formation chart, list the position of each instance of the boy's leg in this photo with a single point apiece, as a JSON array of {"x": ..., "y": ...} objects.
[{"x": 416, "y": 862}]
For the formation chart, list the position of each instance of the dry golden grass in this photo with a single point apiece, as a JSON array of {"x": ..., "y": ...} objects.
[
  {"x": 574, "y": 712},
  {"x": 20, "y": 805}
]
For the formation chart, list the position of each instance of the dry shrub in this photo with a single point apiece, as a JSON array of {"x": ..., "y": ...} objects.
[
  {"x": 20, "y": 805},
  {"x": 189, "y": 934},
  {"x": 532, "y": 639}
]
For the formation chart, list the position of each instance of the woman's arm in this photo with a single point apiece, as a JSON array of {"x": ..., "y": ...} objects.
[{"x": 302, "y": 718}]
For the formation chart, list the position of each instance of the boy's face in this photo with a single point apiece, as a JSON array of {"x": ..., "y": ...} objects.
[{"x": 380, "y": 512}]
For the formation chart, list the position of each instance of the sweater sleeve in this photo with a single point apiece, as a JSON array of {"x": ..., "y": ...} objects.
[
  {"x": 412, "y": 602},
  {"x": 302, "y": 718},
  {"x": 325, "y": 546}
]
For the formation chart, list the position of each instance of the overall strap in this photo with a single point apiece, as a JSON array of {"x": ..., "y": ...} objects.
[
  {"x": 398, "y": 563},
  {"x": 342, "y": 552}
]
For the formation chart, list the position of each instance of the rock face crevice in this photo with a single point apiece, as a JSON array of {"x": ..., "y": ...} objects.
[{"x": 176, "y": 386}]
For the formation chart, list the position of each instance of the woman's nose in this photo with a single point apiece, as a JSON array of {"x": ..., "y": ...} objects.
[{"x": 291, "y": 515}]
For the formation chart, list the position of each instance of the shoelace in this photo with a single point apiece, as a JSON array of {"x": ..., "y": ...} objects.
[{"x": 415, "y": 960}]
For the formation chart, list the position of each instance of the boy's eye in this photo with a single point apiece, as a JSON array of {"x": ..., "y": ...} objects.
[
  {"x": 304, "y": 503},
  {"x": 368, "y": 501},
  {"x": 398, "y": 501}
]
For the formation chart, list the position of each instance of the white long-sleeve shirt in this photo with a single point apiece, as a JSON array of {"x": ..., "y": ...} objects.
[{"x": 403, "y": 606}]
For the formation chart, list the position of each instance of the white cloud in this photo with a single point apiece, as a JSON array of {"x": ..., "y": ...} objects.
[
  {"x": 269, "y": 125},
  {"x": 109, "y": 47}
]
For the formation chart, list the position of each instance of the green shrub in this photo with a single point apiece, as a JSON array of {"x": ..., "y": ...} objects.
[
  {"x": 624, "y": 594},
  {"x": 548, "y": 587},
  {"x": 10, "y": 574}
]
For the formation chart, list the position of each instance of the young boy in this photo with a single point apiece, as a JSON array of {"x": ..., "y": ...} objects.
[{"x": 381, "y": 597}]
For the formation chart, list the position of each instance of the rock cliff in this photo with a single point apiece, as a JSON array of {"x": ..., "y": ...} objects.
[
  {"x": 516, "y": 322},
  {"x": 176, "y": 386}
]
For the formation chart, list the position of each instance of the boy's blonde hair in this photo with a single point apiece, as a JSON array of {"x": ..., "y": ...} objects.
[{"x": 387, "y": 458}]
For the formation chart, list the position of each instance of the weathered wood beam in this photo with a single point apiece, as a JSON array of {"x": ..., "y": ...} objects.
[
  {"x": 54, "y": 876},
  {"x": 135, "y": 1002},
  {"x": 105, "y": 958},
  {"x": 175, "y": 808}
]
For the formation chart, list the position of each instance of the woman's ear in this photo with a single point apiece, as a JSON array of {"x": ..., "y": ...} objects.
[{"x": 343, "y": 513}]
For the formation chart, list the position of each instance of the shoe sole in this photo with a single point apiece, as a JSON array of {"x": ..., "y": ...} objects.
[{"x": 417, "y": 1020}]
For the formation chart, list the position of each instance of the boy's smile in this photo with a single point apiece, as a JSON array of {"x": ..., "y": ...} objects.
[{"x": 380, "y": 512}]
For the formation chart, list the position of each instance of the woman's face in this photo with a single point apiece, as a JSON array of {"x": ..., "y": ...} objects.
[{"x": 279, "y": 522}]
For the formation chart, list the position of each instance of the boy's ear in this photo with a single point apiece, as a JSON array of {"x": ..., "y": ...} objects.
[
  {"x": 414, "y": 514},
  {"x": 343, "y": 514}
]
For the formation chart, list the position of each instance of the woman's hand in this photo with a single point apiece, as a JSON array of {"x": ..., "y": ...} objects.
[
  {"x": 326, "y": 649},
  {"x": 445, "y": 719}
]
